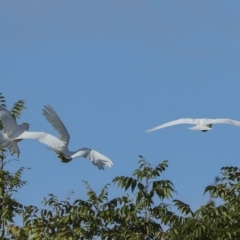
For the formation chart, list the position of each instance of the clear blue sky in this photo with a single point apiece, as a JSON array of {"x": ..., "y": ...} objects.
[{"x": 111, "y": 70}]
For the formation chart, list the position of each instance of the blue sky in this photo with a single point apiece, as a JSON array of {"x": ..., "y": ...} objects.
[{"x": 111, "y": 70}]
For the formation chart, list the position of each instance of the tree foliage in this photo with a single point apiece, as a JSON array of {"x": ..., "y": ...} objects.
[
  {"x": 146, "y": 209},
  {"x": 211, "y": 222},
  {"x": 123, "y": 217},
  {"x": 10, "y": 183}
]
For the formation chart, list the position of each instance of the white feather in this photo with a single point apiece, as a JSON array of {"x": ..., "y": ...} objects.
[
  {"x": 15, "y": 133},
  {"x": 201, "y": 124},
  {"x": 64, "y": 154}
]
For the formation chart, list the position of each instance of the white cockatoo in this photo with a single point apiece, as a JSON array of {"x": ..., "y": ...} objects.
[
  {"x": 63, "y": 153},
  {"x": 203, "y": 124},
  {"x": 14, "y": 133}
]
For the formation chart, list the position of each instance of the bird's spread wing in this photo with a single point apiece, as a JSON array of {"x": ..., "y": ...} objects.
[
  {"x": 2, "y": 108},
  {"x": 175, "y": 122},
  {"x": 95, "y": 157},
  {"x": 8, "y": 143},
  {"x": 42, "y": 137},
  {"x": 56, "y": 122},
  {"x": 8, "y": 121},
  {"x": 224, "y": 121}
]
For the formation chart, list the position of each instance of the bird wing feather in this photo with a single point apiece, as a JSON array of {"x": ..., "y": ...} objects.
[
  {"x": 56, "y": 122},
  {"x": 224, "y": 121},
  {"x": 42, "y": 137},
  {"x": 95, "y": 157},
  {"x": 175, "y": 122},
  {"x": 8, "y": 121}
]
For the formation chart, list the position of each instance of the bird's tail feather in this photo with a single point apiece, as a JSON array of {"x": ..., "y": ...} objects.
[{"x": 9, "y": 144}]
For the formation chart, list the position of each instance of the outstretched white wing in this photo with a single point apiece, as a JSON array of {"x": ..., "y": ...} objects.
[
  {"x": 95, "y": 157},
  {"x": 175, "y": 122},
  {"x": 56, "y": 122},
  {"x": 42, "y": 137},
  {"x": 224, "y": 121},
  {"x": 2, "y": 108},
  {"x": 8, "y": 121}
]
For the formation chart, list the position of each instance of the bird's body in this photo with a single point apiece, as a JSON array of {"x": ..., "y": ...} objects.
[
  {"x": 64, "y": 154},
  {"x": 202, "y": 124},
  {"x": 14, "y": 133}
]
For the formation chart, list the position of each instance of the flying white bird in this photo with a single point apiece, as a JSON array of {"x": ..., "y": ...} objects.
[
  {"x": 14, "y": 133},
  {"x": 203, "y": 124},
  {"x": 63, "y": 153}
]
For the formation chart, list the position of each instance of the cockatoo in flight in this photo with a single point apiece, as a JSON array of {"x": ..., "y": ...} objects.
[
  {"x": 203, "y": 124},
  {"x": 63, "y": 153},
  {"x": 14, "y": 133}
]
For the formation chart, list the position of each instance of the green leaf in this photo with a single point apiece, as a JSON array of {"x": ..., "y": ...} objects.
[
  {"x": 134, "y": 183},
  {"x": 17, "y": 108},
  {"x": 141, "y": 186}
]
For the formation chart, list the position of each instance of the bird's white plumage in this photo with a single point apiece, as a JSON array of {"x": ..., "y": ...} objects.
[
  {"x": 203, "y": 124},
  {"x": 42, "y": 137},
  {"x": 57, "y": 124},
  {"x": 11, "y": 145},
  {"x": 95, "y": 157},
  {"x": 64, "y": 154},
  {"x": 225, "y": 121},
  {"x": 15, "y": 133},
  {"x": 10, "y": 124}
]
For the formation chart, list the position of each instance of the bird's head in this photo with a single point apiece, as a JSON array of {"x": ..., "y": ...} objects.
[
  {"x": 201, "y": 128},
  {"x": 209, "y": 126},
  {"x": 62, "y": 157}
]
